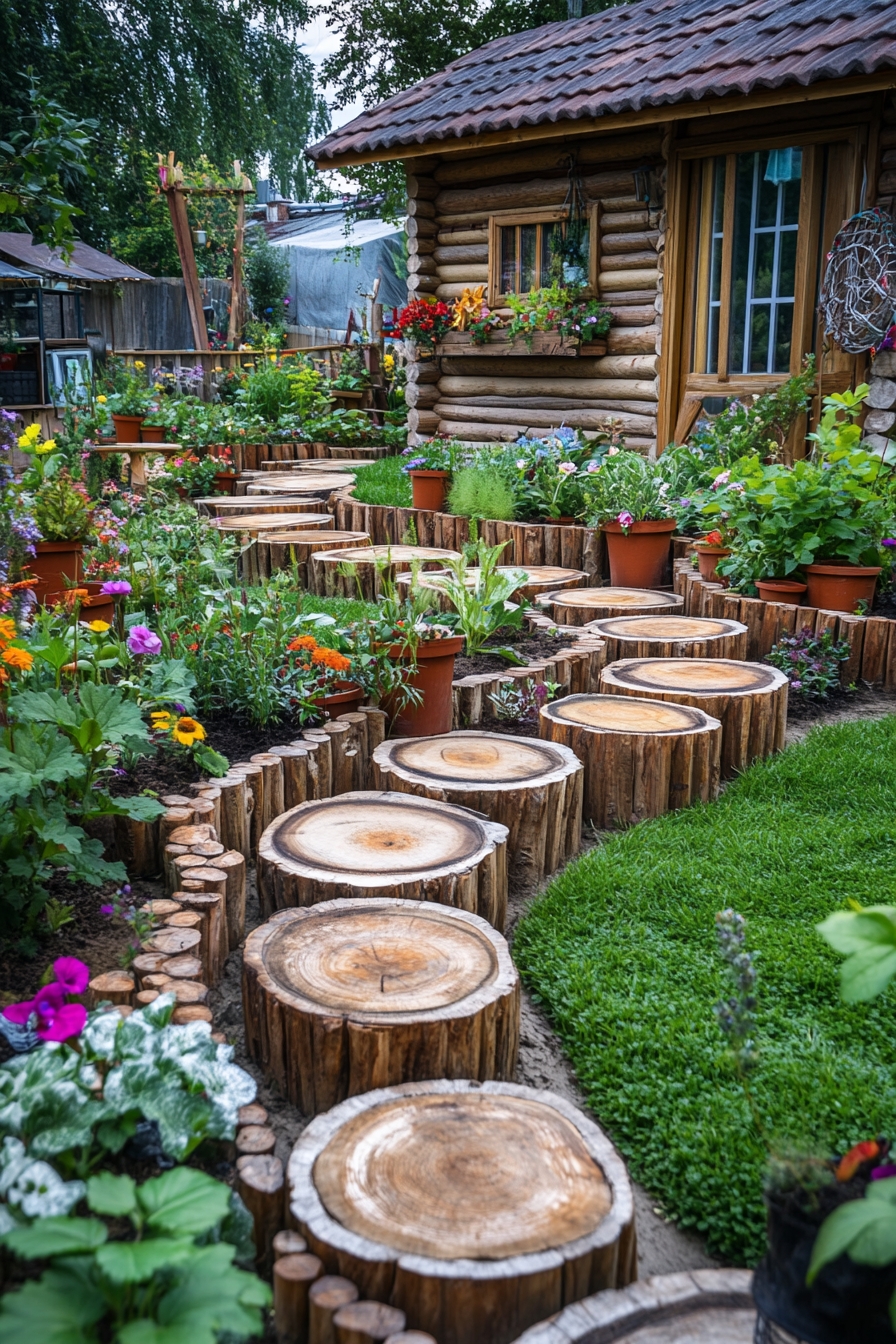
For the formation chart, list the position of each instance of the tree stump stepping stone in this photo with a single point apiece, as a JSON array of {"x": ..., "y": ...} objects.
[
  {"x": 641, "y": 757},
  {"x": 225, "y": 506},
  {"x": 537, "y": 580},
  {"x": 252, "y": 524},
  {"x": 478, "y": 1209},
  {"x": 326, "y": 580},
  {"x": 581, "y": 606},
  {"x": 749, "y": 699},
  {"x": 283, "y": 549},
  {"x": 705, "y": 1306},
  {"x": 670, "y": 637},
  {"x": 384, "y": 844},
  {"x": 352, "y": 995},
  {"x": 301, "y": 483},
  {"x": 532, "y": 788}
]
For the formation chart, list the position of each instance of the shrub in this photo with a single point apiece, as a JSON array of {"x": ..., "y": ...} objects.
[
  {"x": 481, "y": 492},
  {"x": 812, "y": 662},
  {"x": 267, "y": 279}
]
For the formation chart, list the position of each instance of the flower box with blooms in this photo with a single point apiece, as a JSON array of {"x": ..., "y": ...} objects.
[{"x": 425, "y": 321}]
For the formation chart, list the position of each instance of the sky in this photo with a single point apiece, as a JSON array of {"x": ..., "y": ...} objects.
[{"x": 319, "y": 44}]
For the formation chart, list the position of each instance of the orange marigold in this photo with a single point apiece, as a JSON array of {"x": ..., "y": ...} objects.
[
  {"x": 19, "y": 658},
  {"x": 7, "y": 629},
  {"x": 73, "y": 595},
  {"x": 302, "y": 642},
  {"x": 330, "y": 658}
]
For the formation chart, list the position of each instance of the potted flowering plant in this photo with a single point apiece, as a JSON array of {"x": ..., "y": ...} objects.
[
  {"x": 425, "y": 321},
  {"x": 550, "y": 474},
  {"x": 430, "y": 466},
  {"x": 130, "y": 403},
  {"x": 710, "y": 550},
  {"x": 160, "y": 425},
  {"x": 326, "y": 672},
  {"x": 627, "y": 499},
  {"x": 191, "y": 475}
]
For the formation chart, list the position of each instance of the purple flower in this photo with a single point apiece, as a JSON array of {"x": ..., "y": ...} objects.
[
  {"x": 71, "y": 974},
  {"x": 116, "y": 588},
  {"x": 50, "y": 1017},
  {"x": 882, "y": 1173},
  {"x": 566, "y": 468},
  {"x": 624, "y": 519},
  {"x": 141, "y": 640},
  {"x": 722, "y": 479},
  {"x": 107, "y": 911},
  {"x": 797, "y": 685},
  {"x": 889, "y": 541}
]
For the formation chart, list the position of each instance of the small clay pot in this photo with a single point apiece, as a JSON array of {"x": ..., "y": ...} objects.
[
  {"x": 708, "y": 558},
  {"x": 780, "y": 590},
  {"x": 346, "y": 699},
  {"x": 152, "y": 433},
  {"x": 638, "y": 557},
  {"x": 434, "y": 675},
  {"x": 841, "y": 587},
  {"x": 430, "y": 489},
  {"x": 127, "y": 428}
]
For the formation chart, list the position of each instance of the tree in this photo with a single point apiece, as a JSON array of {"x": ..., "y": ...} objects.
[
  {"x": 43, "y": 162},
  {"x": 194, "y": 76}
]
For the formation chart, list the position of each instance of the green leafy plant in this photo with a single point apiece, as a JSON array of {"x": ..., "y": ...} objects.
[
  {"x": 267, "y": 278},
  {"x": 481, "y": 596},
  {"x": 520, "y": 701},
  {"x": 171, "y": 1277},
  {"x": 62, "y": 509},
  {"x": 626, "y": 485},
  {"x": 754, "y": 426},
  {"x": 481, "y": 492},
  {"x": 812, "y": 662},
  {"x": 550, "y": 475}
]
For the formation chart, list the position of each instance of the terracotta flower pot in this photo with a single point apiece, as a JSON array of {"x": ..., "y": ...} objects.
[
  {"x": 152, "y": 433},
  {"x": 57, "y": 566},
  {"x": 708, "y": 558},
  {"x": 435, "y": 672},
  {"x": 127, "y": 428},
  {"x": 780, "y": 590},
  {"x": 639, "y": 559},
  {"x": 346, "y": 699},
  {"x": 225, "y": 481},
  {"x": 430, "y": 489},
  {"x": 841, "y": 587},
  {"x": 98, "y": 606}
]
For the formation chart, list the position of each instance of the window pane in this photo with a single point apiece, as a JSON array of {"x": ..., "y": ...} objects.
[
  {"x": 508, "y": 261},
  {"x": 712, "y": 342},
  {"x": 767, "y": 196},
  {"x": 787, "y": 265},
  {"x": 763, "y": 265},
  {"x": 790, "y": 192},
  {"x": 783, "y": 338},
  {"x": 715, "y": 265},
  {"x": 718, "y": 199},
  {"x": 759, "y": 325},
  {"x": 528, "y": 254},
  {"x": 548, "y": 232}
]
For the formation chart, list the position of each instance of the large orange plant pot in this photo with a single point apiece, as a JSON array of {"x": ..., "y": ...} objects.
[
  {"x": 127, "y": 428},
  {"x": 841, "y": 587},
  {"x": 639, "y": 559},
  {"x": 434, "y": 675},
  {"x": 56, "y": 566}
]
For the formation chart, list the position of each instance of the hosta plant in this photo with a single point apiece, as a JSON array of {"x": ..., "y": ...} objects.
[{"x": 152, "y": 1264}]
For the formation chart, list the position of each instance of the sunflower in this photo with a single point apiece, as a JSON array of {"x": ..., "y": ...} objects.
[
  {"x": 19, "y": 658},
  {"x": 187, "y": 731}
]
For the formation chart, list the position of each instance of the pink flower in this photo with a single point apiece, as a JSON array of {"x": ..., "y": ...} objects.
[
  {"x": 71, "y": 974},
  {"x": 116, "y": 588},
  {"x": 624, "y": 519},
  {"x": 722, "y": 479},
  {"x": 567, "y": 468},
  {"x": 141, "y": 640},
  {"x": 48, "y": 1015}
]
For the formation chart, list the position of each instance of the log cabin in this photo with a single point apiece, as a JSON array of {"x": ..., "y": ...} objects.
[{"x": 705, "y": 152}]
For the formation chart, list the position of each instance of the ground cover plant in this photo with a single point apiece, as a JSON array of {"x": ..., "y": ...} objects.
[{"x": 621, "y": 952}]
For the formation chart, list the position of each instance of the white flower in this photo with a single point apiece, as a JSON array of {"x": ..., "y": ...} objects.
[
  {"x": 611, "y": 452},
  {"x": 664, "y": 489},
  {"x": 567, "y": 468},
  {"x": 521, "y": 464}
]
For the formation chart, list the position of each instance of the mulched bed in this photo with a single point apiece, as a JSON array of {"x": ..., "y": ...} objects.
[
  {"x": 510, "y": 727},
  {"x": 533, "y": 646},
  {"x": 804, "y": 709}
]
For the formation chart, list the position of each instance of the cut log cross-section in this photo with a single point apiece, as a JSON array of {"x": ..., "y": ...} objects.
[
  {"x": 352, "y": 995},
  {"x": 284, "y": 549},
  {"x": 478, "y": 1209},
  {"x": 749, "y": 699},
  {"x": 581, "y": 606},
  {"x": 533, "y": 789},
  {"x": 374, "y": 844},
  {"x": 327, "y": 574},
  {"x": 641, "y": 757},
  {"x": 670, "y": 637},
  {"x": 537, "y": 580}
]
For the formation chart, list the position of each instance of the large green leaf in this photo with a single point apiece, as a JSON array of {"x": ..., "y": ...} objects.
[
  {"x": 868, "y": 940},
  {"x": 37, "y": 756},
  {"x": 61, "y": 1308},
  {"x": 119, "y": 719},
  {"x": 115, "y": 1196},
  {"x": 148, "y": 1332},
  {"x": 56, "y": 1236},
  {"x": 184, "y": 1201},
  {"x": 864, "y": 1228},
  {"x": 137, "y": 807},
  {"x": 137, "y": 1261},
  {"x": 215, "y": 1294}
]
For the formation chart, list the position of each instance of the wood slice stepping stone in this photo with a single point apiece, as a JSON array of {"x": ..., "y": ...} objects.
[
  {"x": 353, "y": 995},
  {"x": 302, "y": 483},
  {"x": 326, "y": 580},
  {"x": 705, "y": 1306},
  {"x": 581, "y": 606},
  {"x": 641, "y": 757},
  {"x": 749, "y": 699},
  {"x": 533, "y": 789},
  {"x": 224, "y": 506},
  {"x": 670, "y": 637},
  {"x": 478, "y": 1209},
  {"x": 283, "y": 549},
  {"x": 255, "y": 523},
  {"x": 537, "y": 580},
  {"x": 384, "y": 844}
]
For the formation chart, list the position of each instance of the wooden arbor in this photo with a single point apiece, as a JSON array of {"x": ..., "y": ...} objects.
[
  {"x": 749, "y": 699},
  {"x": 641, "y": 757},
  {"x": 533, "y": 789},
  {"x": 352, "y": 995},
  {"x": 327, "y": 579},
  {"x": 478, "y": 1209},
  {"x": 375, "y": 844},
  {"x": 581, "y": 606},
  {"x": 670, "y": 637}
]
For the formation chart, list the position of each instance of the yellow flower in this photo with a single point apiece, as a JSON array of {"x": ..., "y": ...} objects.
[
  {"x": 46, "y": 447},
  {"x": 138, "y": 364},
  {"x": 161, "y": 716},
  {"x": 388, "y": 363},
  {"x": 273, "y": 359},
  {"x": 19, "y": 658},
  {"x": 101, "y": 400},
  {"x": 187, "y": 731},
  {"x": 98, "y": 627},
  {"x": 7, "y": 629}
]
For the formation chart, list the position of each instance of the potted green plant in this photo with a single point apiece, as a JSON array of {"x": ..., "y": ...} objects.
[
  {"x": 130, "y": 403},
  {"x": 10, "y": 348},
  {"x": 429, "y": 467},
  {"x": 160, "y": 424},
  {"x": 550, "y": 474},
  {"x": 627, "y": 498},
  {"x": 62, "y": 512}
]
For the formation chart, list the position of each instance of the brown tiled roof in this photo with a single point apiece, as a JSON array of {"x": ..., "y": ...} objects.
[
  {"x": 86, "y": 263},
  {"x": 648, "y": 54}
]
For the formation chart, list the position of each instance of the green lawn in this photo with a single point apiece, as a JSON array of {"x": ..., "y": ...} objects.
[
  {"x": 621, "y": 953},
  {"x": 342, "y": 608},
  {"x": 384, "y": 482}
]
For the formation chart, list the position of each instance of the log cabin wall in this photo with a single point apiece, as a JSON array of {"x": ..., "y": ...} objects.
[{"x": 491, "y": 398}]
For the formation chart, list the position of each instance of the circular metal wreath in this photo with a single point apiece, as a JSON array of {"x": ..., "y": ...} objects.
[{"x": 858, "y": 292}]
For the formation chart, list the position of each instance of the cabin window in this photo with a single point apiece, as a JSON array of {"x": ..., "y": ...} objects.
[{"x": 522, "y": 253}]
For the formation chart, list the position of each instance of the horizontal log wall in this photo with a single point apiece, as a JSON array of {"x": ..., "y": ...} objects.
[{"x": 497, "y": 399}]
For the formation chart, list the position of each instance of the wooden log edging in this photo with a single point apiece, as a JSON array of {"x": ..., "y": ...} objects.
[
  {"x": 535, "y": 1208},
  {"x": 533, "y": 789},
  {"x": 871, "y": 639},
  {"x": 670, "y": 637},
  {"x": 704, "y": 1302},
  {"x": 641, "y": 757},
  {"x": 352, "y": 995},
  {"x": 369, "y": 844}
]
